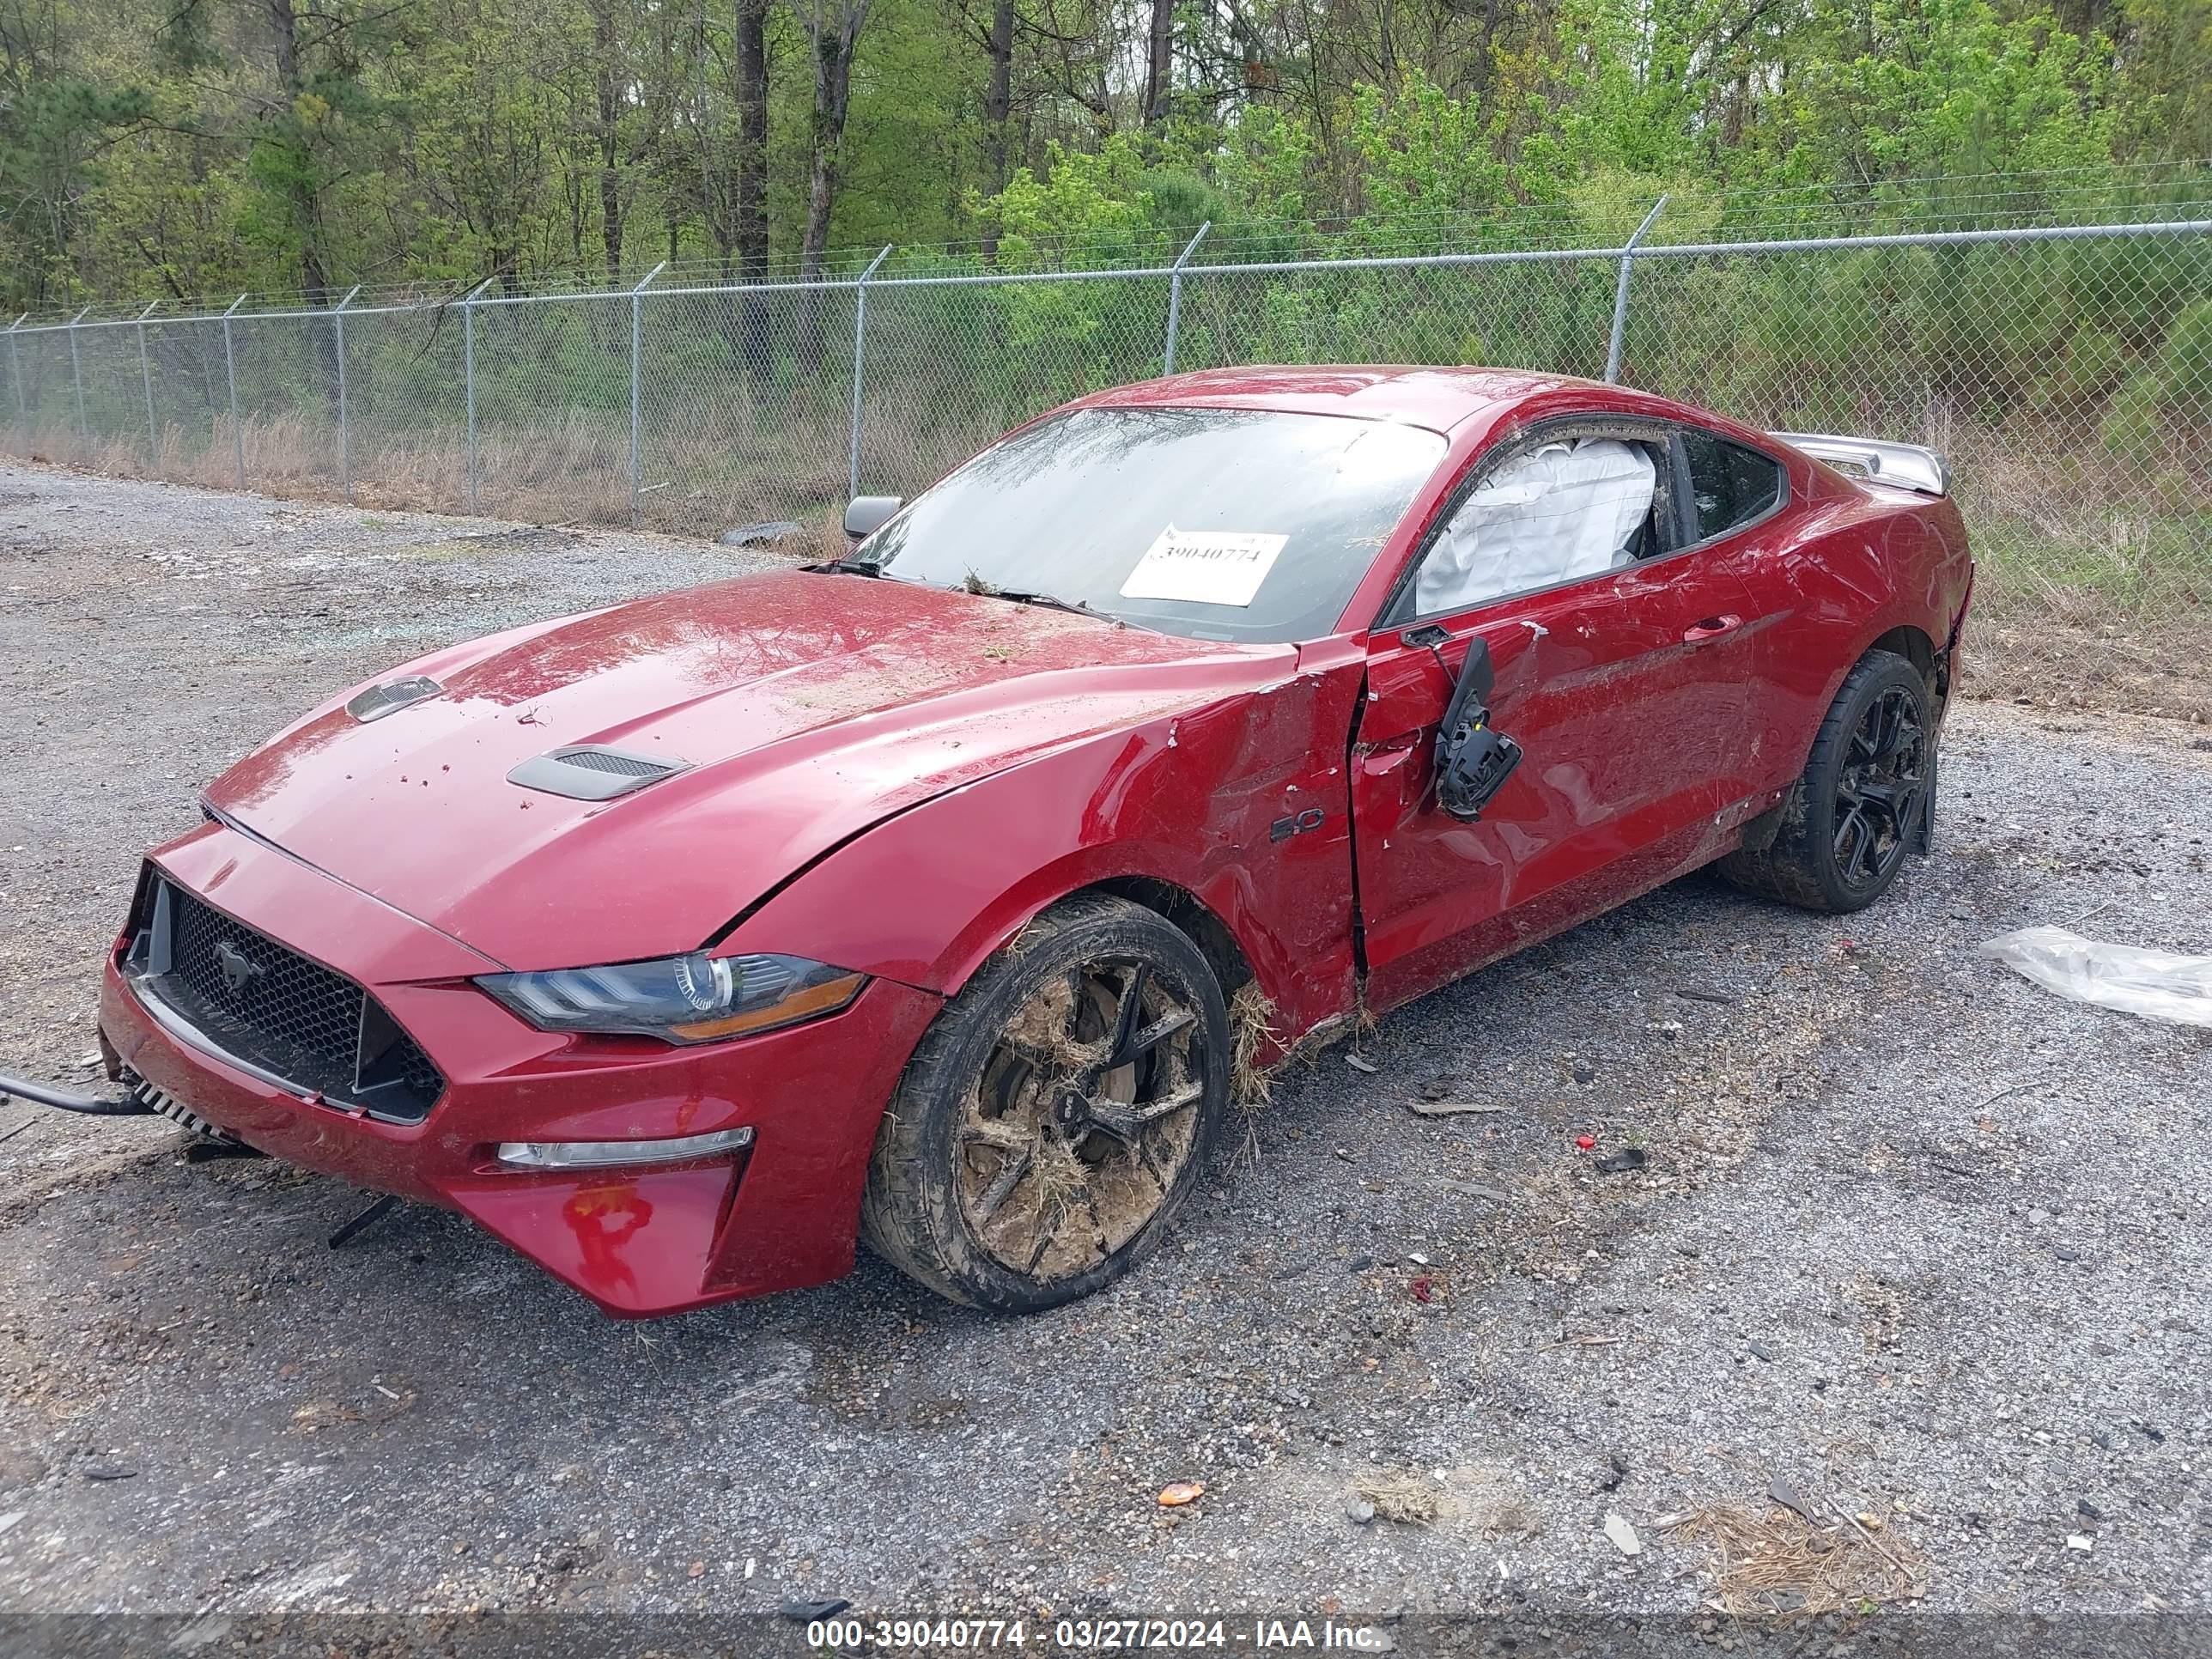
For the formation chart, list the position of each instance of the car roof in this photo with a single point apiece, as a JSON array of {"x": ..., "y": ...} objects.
[{"x": 1440, "y": 398}]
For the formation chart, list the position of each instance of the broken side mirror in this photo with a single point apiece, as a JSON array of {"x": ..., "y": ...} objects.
[
  {"x": 1473, "y": 761},
  {"x": 866, "y": 514}
]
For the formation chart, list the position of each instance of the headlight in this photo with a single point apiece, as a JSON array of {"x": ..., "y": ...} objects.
[{"x": 694, "y": 999}]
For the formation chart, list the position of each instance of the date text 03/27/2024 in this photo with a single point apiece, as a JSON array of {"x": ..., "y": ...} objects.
[{"x": 1097, "y": 1635}]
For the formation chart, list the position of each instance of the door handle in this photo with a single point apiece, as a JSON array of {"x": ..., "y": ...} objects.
[{"x": 1711, "y": 628}]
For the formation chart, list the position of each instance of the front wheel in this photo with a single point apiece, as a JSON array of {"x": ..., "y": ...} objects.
[
  {"x": 1056, "y": 1115},
  {"x": 1866, "y": 795}
]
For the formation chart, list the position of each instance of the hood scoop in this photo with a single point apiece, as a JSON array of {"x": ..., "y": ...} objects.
[
  {"x": 390, "y": 698},
  {"x": 589, "y": 771}
]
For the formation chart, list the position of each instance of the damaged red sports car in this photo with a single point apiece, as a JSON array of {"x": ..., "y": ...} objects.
[{"x": 941, "y": 895}]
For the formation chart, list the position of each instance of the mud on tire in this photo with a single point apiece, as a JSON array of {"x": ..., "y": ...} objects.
[{"x": 1054, "y": 1118}]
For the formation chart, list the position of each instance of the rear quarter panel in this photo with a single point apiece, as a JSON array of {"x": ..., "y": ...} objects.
[{"x": 1863, "y": 562}]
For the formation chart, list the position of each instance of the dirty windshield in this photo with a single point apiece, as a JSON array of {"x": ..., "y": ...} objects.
[{"x": 1217, "y": 524}]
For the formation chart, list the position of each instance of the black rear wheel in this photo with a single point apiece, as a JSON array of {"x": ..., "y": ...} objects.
[
  {"x": 1866, "y": 794},
  {"x": 1880, "y": 787}
]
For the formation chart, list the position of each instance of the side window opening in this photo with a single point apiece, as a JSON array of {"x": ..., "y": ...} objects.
[
  {"x": 1558, "y": 511},
  {"x": 1728, "y": 484}
]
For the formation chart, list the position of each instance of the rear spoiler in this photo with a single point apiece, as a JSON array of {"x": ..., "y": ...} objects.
[{"x": 1908, "y": 466}]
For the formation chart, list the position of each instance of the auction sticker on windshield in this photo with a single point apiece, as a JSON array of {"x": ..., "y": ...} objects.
[{"x": 1204, "y": 567}]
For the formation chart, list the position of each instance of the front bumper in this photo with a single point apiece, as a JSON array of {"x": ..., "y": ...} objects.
[{"x": 638, "y": 1242}]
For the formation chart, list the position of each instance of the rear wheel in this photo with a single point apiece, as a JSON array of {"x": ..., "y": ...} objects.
[
  {"x": 1056, "y": 1115},
  {"x": 1866, "y": 793}
]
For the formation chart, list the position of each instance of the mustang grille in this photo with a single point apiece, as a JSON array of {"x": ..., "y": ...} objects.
[{"x": 264, "y": 1003}]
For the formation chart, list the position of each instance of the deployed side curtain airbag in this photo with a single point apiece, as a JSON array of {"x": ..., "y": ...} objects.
[{"x": 1559, "y": 512}]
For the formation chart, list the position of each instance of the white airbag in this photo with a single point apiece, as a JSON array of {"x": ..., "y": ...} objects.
[{"x": 1557, "y": 513}]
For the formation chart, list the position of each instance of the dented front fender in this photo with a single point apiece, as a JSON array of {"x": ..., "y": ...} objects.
[{"x": 1242, "y": 804}]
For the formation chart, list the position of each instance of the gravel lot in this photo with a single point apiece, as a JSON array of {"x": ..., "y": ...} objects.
[{"x": 1914, "y": 1235}]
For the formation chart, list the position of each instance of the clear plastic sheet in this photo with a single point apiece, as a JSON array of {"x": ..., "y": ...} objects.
[{"x": 2155, "y": 984}]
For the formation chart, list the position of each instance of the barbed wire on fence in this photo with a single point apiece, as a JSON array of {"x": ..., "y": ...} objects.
[{"x": 2064, "y": 362}]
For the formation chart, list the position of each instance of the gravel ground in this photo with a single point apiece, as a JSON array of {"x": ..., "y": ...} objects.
[{"x": 1913, "y": 1234}]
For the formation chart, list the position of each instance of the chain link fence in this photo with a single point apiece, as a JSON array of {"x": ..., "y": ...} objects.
[{"x": 2065, "y": 368}]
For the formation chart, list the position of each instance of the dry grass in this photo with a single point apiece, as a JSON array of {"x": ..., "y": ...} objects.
[
  {"x": 826, "y": 533},
  {"x": 1042, "y": 1028},
  {"x": 1405, "y": 1496},
  {"x": 2138, "y": 669},
  {"x": 1775, "y": 1565},
  {"x": 2078, "y": 604},
  {"x": 735, "y": 465},
  {"x": 1252, "y": 1036},
  {"x": 1255, "y": 1055},
  {"x": 1062, "y": 1182}
]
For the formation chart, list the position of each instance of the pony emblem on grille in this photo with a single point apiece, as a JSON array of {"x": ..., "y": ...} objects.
[{"x": 238, "y": 971}]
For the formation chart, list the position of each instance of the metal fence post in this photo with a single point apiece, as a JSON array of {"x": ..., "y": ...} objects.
[
  {"x": 636, "y": 330},
  {"x": 859, "y": 352},
  {"x": 1621, "y": 294},
  {"x": 16, "y": 373},
  {"x": 1175, "y": 297},
  {"x": 469, "y": 378},
  {"x": 146, "y": 375},
  {"x": 345, "y": 444},
  {"x": 230, "y": 375},
  {"x": 76, "y": 374}
]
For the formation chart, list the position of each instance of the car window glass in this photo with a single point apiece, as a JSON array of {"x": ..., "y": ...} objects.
[
  {"x": 1730, "y": 485},
  {"x": 1224, "y": 524},
  {"x": 1550, "y": 514}
]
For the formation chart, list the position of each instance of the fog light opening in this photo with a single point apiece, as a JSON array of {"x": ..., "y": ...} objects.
[{"x": 612, "y": 1154}]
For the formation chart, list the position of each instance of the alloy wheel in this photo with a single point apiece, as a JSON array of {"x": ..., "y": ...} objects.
[
  {"x": 1880, "y": 788},
  {"x": 1083, "y": 1117}
]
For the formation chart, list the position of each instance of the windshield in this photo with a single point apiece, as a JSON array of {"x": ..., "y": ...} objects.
[{"x": 1216, "y": 524}]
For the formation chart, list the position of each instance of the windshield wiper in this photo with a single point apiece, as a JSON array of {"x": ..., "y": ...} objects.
[
  {"x": 846, "y": 567},
  {"x": 1050, "y": 601}
]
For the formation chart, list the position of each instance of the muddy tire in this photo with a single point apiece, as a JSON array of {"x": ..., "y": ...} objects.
[
  {"x": 1057, "y": 1114},
  {"x": 1867, "y": 793}
]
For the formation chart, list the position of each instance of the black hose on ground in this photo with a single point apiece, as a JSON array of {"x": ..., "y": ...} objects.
[{"x": 45, "y": 1094}]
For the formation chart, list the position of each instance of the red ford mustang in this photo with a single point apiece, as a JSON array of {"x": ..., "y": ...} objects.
[{"x": 943, "y": 895}]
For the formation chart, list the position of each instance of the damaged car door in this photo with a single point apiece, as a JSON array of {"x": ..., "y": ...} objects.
[{"x": 1619, "y": 668}]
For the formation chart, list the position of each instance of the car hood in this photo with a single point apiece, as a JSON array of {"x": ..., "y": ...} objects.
[{"x": 805, "y": 707}]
